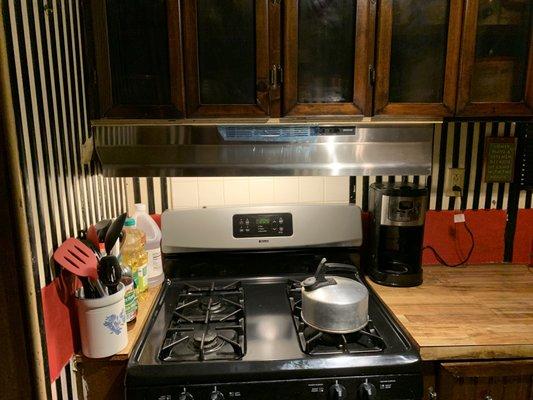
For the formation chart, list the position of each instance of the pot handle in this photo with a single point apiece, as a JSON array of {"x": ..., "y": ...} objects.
[
  {"x": 319, "y": 280},
  {"x": 345, "y": 268}
]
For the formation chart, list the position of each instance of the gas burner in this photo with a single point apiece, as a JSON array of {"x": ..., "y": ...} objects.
[
  {"x": 213, "y": 303},
  {"x": 316, "y": 342},
  {"x": 207, "y": 324},
  {"x": 206, "y": 340}
]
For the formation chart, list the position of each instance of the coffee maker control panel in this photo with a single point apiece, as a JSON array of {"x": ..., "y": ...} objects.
[{"x": 403, "y": 211}]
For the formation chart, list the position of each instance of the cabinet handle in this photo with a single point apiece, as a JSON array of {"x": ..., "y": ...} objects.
[
  {"x": 488, "y": 397},
  {"x": 432, "y": 395}
]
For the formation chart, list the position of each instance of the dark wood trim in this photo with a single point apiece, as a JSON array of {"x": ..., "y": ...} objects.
[
  {"x": 465, "y": 107},
  {"x": 101, "y": 51},
  {"x": 383, "y": 60},
  {"x": 100, "y": 41},
  {"x": 362, "y": 58},
  {"x": 192, "y": 89},
  {"x": 18, "y": 377},
  {"x": 290, "y": 62},
  {"x": 275, "y": 35},
  {"x": 364, "y": 54},
  {"x": 175, "y": 53}
]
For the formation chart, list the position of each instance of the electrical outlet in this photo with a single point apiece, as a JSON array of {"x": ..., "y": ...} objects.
[{"x": 455, "y": 181}]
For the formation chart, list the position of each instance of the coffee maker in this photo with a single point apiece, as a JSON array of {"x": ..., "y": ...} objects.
[{"x": 397, "y": 233}]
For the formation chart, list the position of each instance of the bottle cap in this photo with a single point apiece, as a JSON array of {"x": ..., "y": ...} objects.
[
  {"x": 130, "y": 222},
  {"x": 140, "y": 207}
]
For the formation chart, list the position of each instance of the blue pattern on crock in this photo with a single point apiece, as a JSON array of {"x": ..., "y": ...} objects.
[{"x": 115, "y": 322}]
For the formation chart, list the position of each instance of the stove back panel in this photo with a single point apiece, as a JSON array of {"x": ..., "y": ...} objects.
[{"x": 215, "y": 229}]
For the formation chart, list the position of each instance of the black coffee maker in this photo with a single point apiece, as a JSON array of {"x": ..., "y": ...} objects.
[{"x": 397, "y": 233}]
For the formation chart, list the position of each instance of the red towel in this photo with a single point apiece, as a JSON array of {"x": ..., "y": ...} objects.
[{"x": 60, "y": 323}]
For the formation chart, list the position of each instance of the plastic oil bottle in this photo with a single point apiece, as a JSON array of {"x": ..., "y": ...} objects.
[
  {"x": 135, "y": 255},
  {"x": 153, "y": 244}
]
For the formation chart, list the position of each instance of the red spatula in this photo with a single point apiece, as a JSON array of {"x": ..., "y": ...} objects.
[{"x": 77, "y": 258}]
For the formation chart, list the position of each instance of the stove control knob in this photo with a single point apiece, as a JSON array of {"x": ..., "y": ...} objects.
[
  {"x": 367, "y": 391},
  {"x": 337, "y": 392},
  {"x": 216, "y": 395},
  {"x": 185, "y": 396}
]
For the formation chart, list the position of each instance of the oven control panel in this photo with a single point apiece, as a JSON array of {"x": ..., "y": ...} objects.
[
  {"x": 262, "y": 225},
  {"x": 385, "y": 387}
]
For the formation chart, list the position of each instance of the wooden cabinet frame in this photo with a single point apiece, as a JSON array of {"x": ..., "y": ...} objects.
[
  {"x": 486, "y": 379},
  {"x": 382, "y": 105},
  {"x": 465, "y": 107},
  {"x": 195, "y": 108},
  {"x": 364, "y": 40},
  {"x": 107, "y": 107}
]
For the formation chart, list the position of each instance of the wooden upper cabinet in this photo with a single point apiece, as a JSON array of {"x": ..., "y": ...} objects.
[
  {"x": 496, "y": 73},
  {"x": 326, "y": 57},
  {"x": 417, "y": 57},
  {"x": 138, "y": 58},
  {"x": 226, "y": 47}
]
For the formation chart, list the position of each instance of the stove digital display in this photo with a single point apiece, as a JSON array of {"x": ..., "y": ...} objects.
[{"x": 262, "y": 225}]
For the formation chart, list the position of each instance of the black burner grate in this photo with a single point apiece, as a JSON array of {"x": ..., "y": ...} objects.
[
  {"x": 315, "y": 342},
  {"x": 207, "y": 324}
]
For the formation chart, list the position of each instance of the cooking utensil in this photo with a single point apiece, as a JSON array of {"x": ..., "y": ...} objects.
[
  {"x": 126, "y": 271},
  {"x": 92, "y": 235},
  {"x": 101, "y": 229},
  {"x": 77, "y": 258},
  {"x": 110, "y": 273},
  {"x": 113, "y": 232},
  {"x": 334, "y": 304}
]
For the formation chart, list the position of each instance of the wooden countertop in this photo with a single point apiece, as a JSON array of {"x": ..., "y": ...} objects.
[
  {"x": 146, "y": 303},
  {"x": 476, "y": 312}
]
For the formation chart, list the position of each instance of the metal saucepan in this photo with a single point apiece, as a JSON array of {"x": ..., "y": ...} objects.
[{"x": 334, "y": 304}]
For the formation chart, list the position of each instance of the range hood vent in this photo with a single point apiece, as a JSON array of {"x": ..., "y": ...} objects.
[{"x": 264, "y": 150}]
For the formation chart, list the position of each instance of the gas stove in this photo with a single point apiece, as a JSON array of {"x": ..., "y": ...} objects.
[{"x": 227, "y": 323}]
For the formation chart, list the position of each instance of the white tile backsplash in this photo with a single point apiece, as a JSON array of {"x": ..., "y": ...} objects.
[
  {"x": 336, "y": 189},
  {"x": 218, "y": 191},
  {"x": 184, "y": 192},
  {"x": 210, "y": 192},
  {"x": 311, "y": 189},
  {"x": 286, "y": 190},
  {"x": 236, "y": 191},
  {"x": 261, "y": 190}
]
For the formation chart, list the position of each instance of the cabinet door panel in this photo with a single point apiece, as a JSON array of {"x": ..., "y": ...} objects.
[
  {"x": 326, "y": 52},
  {"x": 417, "y": 57},
  {"x": 496, "y": 60},
  {"x": 137, "y": 59},
  {"x": 326, "y": 57},
  {"x": 226, "y": 52},
  {"x": 227, "y": 57},
  {"x": 479, "y": 380}
]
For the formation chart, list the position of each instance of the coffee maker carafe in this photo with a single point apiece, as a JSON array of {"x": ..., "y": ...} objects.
[{"x": 397, "y": 233}]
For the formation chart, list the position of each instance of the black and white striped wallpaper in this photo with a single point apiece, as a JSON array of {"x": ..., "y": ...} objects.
[{"x": 61, "y": 195}]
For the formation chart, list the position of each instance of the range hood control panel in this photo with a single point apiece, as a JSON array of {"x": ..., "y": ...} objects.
[{"x": 262, "y": 225}]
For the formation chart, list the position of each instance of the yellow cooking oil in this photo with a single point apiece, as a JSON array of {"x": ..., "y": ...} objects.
[{"x": 134, "y": 255}]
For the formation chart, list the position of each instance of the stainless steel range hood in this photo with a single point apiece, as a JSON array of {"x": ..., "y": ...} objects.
[{"x": 264, "y": 150}]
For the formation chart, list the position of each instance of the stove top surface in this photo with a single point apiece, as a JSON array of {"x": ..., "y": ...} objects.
[{"x": 221, "y": 330}]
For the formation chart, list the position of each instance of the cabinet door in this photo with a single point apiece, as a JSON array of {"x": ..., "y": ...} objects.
[
  {"x": 417, "y": 57},
  {"x": 496, "y": 73},
  {"x": 226, "y": 57},
  {"x": 496, "y": 380},
  {"x": 138, "y": 58},
  {"x": 326, "y": 49}
]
